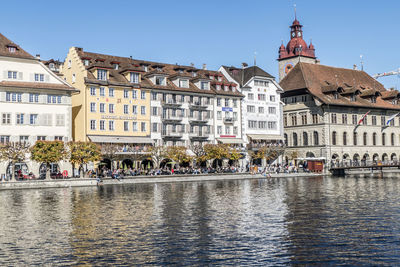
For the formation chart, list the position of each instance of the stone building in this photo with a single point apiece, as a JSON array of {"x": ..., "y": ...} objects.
[{"x": 340, "y": 115}]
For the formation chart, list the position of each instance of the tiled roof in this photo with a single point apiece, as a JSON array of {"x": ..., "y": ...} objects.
[
  {"x": 37, "y": 85},
  {"x": 242, "y": 76},
  {"x": 321, "y": 80},
  {"x": 5, "y": 43}
]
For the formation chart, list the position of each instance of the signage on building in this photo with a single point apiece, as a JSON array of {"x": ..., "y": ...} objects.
[
  {"x": 118, "y": 117},
  {"x": 227, "y": 109}
]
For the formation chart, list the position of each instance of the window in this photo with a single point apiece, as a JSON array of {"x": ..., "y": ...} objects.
[
  {"x": 252, "y": 124},
  {"x": 93, "y": 91},
  {"x": 235, "y": 130},
  {"x": 235, "y": 103},
  {"x": 285, "y": 120},
  {"x": 41, "y": 138},
  {"x": 261, "y": 97},
  {"x": 39, "y": 77},
  {"x": 126, "y": 93},
  {"x": 102, "y": 127},
  {"x": 102, "y": 107},
  {"x": 365, "y": 139},
  {"x": 316, "y": 138},
  {"x": 383, "y": 120},
  {"x": 272, "y": 110},
  {"x": 92, "y": 124},
  {"x": 392, "y": 139},
  {"x": 102, "y": 91},
  {"x": 69, "y": 63},
  {"x": 102, "y": 75},
  {"x": 355, "y": 138},
  {"x": 333, "y": 118},
  {"x": 305, "y": 139},
  {"x": 334, "y": 138},
  {"x": 126, "y": 107},
  {"x": 24, "y": 138},
  {"x": 272, "y": 98},
  {"x": 143, "y": 110},
  {"x": 160, "y": 80},
  {"x": 153, "y": 96},
  {"x": 250, "y": 96},
  {"x": 134, "y": 94},
  {"x": 226, "y": 102},
  {"x": 295, "y": 139},
  {"x": 47, "y": 119},
  {"x": 315, "y": 118},
  {"x": 33, "y": 118},
  {"x": 293, "y": 118},
  {"x": 4, "y": 139},
  {"x": 58, "y": 138},
  {"x": 365, "y": 120},
  {"x": 373, "y": 99},
  {"x": 111, "y": 125},
  {"x": 262, "y": 125},
  {"x": 354, "y": 119},
  {"x": 142, "y": 95},
  {"x": 111, "y": 92},
  {"x": 154, "y": 127},
  {"x": 134, "y": 77},
  {"x": 272, "y": 125},
  {"x": 219, "y": 130},
  {"x": 218, "y": 102},
  {"x": 60, "y": 119},
  {"x": 260, "y": 83},
  {"x": 184, "y": 83},
  {"x": 126, "y": 126},
  {"x": 304, "y": 118},
  {"x": 116, "y": 66},
  {"x": 12, "y": 49},
  {"x": 111, "y": 108},
  {"x": 344, "y": 118},
  {"x": 154, "y": 111},
  {"x": 204, "y": 85},
  {"x": 374, "y": 139},
  {"x": 143, "y": 126},
  {"x": 235, "y": 116},
  {"x": 34, "y": 98},
  {"x": 383, "y": 139},
  {"x": 374, "y": 120},
  {"x": 12, "y": 75},
  {"x": 92, "y": 107},
  {"x": 227, "y": 130},
  {"x": 251, "y": 109},
  {"x": 219, "y": 115},
  {"x": 352, "y": 98},
  {"x": 344, "y": 138},
  {"x": 261, "y": 110},
  {"x": 134, "y": 109},
  {"x": 303, "y": 98},
  {"x": 85, "y": 62},
  {"x": 13, "y": 97},
  {"x": 134, "y": 126},
  {"x": 20, "y": 118}
]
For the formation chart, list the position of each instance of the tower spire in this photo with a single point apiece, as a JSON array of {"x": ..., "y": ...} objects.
[{"x": 295, "y": 15}]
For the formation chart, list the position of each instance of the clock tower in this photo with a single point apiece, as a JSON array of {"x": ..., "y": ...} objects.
[{"x": 295, "y": 51}]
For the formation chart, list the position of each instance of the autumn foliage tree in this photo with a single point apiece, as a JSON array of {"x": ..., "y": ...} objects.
[
  {"x": 110, "y": 151},
  {"x": 178, "y": 154},
  {"x": 199, "y": 153},
  {"x": 14, "y": 152},
  {"x": 82, "y": 153},
  {"x": 216, "y": 151},
  {"x": 48, "y": 152},
  {"x": 157, "y": 154}
]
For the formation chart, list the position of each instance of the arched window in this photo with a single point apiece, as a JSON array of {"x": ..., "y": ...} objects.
[
  {"x": 286, "y": 139},
  {"x": 316, "y": 138},
  {"x": 294, "y": 139},
  {"x": 345, "y": 139},
  {"x": 392, "y": 139},
  {"x": 374, "y": 139},
  {"x": 354, "y": 138},
  {"x": 383, "y": 139},
  {"x": 334, "y": 138},
  {"x": 365, "y": 139},
  {"x": 305, "y": 139}
]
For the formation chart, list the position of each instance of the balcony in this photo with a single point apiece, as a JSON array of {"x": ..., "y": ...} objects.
[
  {"x": 198, "y": 105},
  {"x": 169, "y": 117},
  {"x": 169, "y": 102},
  {"x": 171, "y": 134},
  {"x": 199, "y": 119},
  {"x": 199, "y": 135},
  {"x": 229, "y": 120}
]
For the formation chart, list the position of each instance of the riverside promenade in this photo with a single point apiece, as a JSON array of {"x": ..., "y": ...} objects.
[{"x": 81, "y": 182}]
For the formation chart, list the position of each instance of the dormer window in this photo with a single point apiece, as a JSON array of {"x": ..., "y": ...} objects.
[
  {"x": 335, "y": 95},
  {"x": 116, "y": 66},
  {"x": 86, "y": 62},
  {"x": 145, "y": 68},
  {"x": 204, "y": 85},
  {"x": 373, "y": 99},
  {"x": 211, "y": 77},
  {"x": 134, "y": 77},
  {"x": 160, "y": 80},
  {"x": 12, "y": 49},
  {"x": 194, "y": 74},
  {"x": 352, "y": 98},
  {"x": 218, "y": 86},
  {"x": 52, "y": 66},
  {"x": 226, "y": 87},
  {"x": 394, "y": 102},
  {"x": 219, "y": 78},
  {"x": 184, "y": 83},
  {"x": 102, "y": 75}
]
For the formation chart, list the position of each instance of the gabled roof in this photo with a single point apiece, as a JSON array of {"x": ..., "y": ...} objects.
[
  {"x": 5, "y": 43},
  {"x": 320, "y": 81},
  {"x": 242, "y": 76}
]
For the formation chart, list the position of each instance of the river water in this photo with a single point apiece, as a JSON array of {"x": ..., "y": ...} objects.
[{"x": 266, "y": 222}]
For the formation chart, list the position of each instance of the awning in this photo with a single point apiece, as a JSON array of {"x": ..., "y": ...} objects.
[
  {"x": 120, "y": 139},
  {"x": 265, "y": 137},
  {"x": 230, "y": 140}
]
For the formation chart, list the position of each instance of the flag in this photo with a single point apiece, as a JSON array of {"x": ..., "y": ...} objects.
[
  {"x": 363, "y": 117},
  {"x": 391, "y": 118}
]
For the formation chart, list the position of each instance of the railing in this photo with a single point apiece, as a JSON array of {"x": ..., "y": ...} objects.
[
  {"x": 362, "y": 163},
  {"x": 229, "y": 120},
  {"x": 259, "y": 145},
  {"x": 170, "y": 133},
  {"x": 174, "y": 102},
  {"x": 170, "y": 116},
  {"x": 198, "y": 104},
  {"x": 199, "y": 119},
  {"x": 199, "y": 135}
]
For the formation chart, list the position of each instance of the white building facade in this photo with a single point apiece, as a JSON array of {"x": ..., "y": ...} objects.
[{"x": 35, "y": 105}]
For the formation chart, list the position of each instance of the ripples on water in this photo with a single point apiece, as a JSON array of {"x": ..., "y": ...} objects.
[{"x": 287, "y": 221}]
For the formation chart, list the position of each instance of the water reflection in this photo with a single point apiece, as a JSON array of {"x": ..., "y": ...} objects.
[{"x": 316, "y": 220}]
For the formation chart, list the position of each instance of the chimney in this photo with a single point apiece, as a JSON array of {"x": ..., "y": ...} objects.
[
  {"x": 204, "y": 66},
  {"x": 244, "y": 65},
  {"x": 355, "y": 67},
  {"x": 38, "y": 56}
]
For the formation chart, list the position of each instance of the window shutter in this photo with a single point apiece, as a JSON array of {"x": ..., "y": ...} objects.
[
  {"x": 20, "y": 76},
  {"x": 31, "y": 77},
  {"x": 5, "y": 75},
  {"x": 46, "y": 78}
]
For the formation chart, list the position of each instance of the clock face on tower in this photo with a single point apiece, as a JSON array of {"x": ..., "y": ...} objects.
[
  {"x": 299, "y": 34},
  {"x": 293, "y": 34},
  {"x": 288, "y": 67}
]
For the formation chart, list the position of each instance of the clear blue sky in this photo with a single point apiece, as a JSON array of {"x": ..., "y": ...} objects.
[{"x": 212, "y": 32}]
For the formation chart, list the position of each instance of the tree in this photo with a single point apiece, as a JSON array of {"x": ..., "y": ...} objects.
[
  {"x": 110, "y": 151},
  {"x": 218, "y": 151},
  {"x": 199, "y": 153},
  {"x": 178, "y": 154},
  {"x": 83, "y": 152},
  {"x": 48, "y": 152},
  {"x": 14, "y": 152},
  {"x": 269, "y": 152},
  {"x": 157, "y": 154},
  {"x": 234, "y": 154}
]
